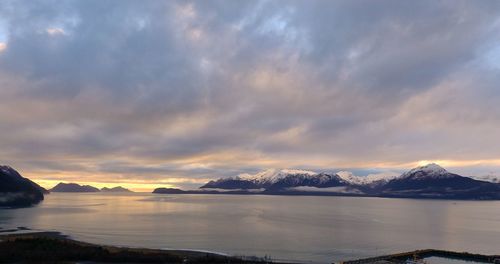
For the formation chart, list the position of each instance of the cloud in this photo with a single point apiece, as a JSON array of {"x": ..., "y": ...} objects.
[
  {"x": 55, "y": 31},
  {"x": 151, "y": 91}
]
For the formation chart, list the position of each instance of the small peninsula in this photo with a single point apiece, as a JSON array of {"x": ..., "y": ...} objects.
[{"x": 17, "y": 191}]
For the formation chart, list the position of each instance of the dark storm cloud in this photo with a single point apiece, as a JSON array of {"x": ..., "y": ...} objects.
[{"x": 150, "y": 89}]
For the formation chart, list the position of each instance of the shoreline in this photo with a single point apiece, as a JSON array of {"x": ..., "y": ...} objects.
[
  {"x": 427, "y": 253},
  {"x": 325, "y": 194},
  {"x": 24, "y": 244}
]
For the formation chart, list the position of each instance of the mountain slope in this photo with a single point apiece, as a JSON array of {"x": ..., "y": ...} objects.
[
  {"x": 372, "y": 179},
  {"x": 17, "y": 191},
  {"x": 231, "y": 183},
  {"x": 433, "y": 181},
  {"x": 283, "y": 181},
  {"x": 73, "y": 187},
  {"x": 115, "y": 189},
  {"x": 321, "y": 180}
]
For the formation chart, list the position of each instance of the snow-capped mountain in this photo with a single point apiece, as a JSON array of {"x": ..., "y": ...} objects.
[
  {"x": 366, "y": 180},
  {"x": 320, "y": 180},
  {"x": 433, "y": 181},
  {"x": 272, "y": 176},
  {"x": 430, "y": 181},
  {"x": 428, "y": 171},
  {"x": 277, "y": 179}
]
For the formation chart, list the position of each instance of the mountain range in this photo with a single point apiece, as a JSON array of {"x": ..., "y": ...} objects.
[
  {"x": 430, "y": 181},
  {"x": 74, "y": 187},
  {"x": 115, "y": 189}
]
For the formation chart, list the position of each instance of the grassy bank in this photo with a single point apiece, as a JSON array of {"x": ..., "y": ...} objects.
[
  {"x": 51, "y": 247},
  {"x": 427, "y": 253}
]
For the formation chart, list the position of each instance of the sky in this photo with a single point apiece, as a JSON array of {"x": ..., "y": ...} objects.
[{"x": 149, "y": 94}]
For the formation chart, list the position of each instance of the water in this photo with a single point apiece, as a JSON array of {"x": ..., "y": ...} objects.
[{"x": 314, "y": 229}]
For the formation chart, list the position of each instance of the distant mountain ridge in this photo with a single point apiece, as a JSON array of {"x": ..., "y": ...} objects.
[
  {"x": 17, "y": 191},
  {"x": 276, "y": 179},
  {"x": 168, "y": 190},
  {"x": 75, "y": 187},
  {"x": 430, "y": 181},
  {"x": 115, "y": 189},
  {"x": 433, "y": 181}
]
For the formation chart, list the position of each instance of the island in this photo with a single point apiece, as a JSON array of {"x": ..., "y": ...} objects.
[
  {"x": 115, "y": 189},
  {"x": 168, "y": 190},
  {"x": 73, "y": 187}
]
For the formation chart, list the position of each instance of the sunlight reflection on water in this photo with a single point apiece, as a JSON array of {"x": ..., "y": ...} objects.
[{"x": 319, "y": 229}]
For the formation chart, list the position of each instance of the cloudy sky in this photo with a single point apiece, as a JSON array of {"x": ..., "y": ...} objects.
[{"x": 174, "y": 93}]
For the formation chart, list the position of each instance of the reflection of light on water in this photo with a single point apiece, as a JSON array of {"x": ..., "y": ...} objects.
[
  {"x": 321, "y": 229},
  {"x": 88, "y": 205},
  {"x": 158, "y": 199}
]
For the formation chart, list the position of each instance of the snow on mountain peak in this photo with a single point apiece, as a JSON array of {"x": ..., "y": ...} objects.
[
  {"x": 274, "y": 175},
  {"x": 491, "y": 177},
  {"x": 271, "y": 176},
  {"x": 432, "y": 170},
  {"x": 360, "y": 180},
  {"x": 349, "y": 177},
  {"x": 293, "y": 171}
]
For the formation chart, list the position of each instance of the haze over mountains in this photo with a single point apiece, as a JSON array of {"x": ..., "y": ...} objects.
[
  {"x": 74, "y": 187},
  {"x": 430, "y": 181}
]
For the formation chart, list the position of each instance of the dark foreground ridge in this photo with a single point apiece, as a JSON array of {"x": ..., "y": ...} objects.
[
  {"x": 17, "y": 191},
  {"x": 52, "y": 247},
  {"x": 426, "y": 253}
]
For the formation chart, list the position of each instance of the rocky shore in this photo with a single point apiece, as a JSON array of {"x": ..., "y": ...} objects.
[{"x": 22, "y": 245}]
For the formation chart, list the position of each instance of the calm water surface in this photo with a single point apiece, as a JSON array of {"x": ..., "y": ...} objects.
[{"x": 315, "y": 229}]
